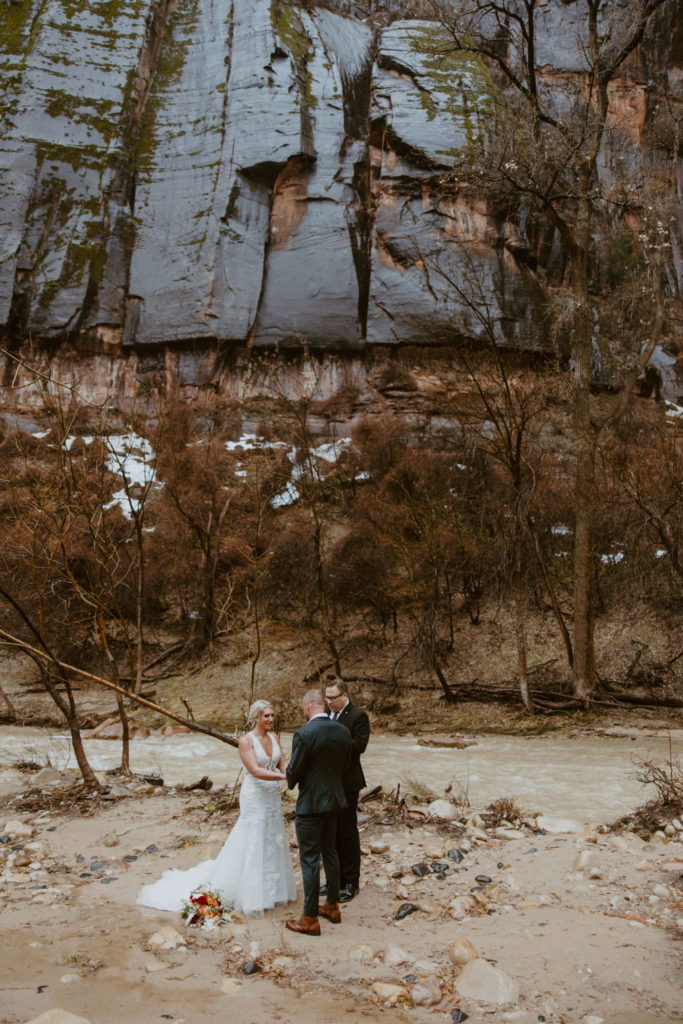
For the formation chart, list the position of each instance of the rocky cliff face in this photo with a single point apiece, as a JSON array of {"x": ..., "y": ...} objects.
[{"x": 253, "y": 172}]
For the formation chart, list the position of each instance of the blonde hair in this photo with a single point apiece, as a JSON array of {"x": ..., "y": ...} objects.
[{"x": 256, "y": 710}]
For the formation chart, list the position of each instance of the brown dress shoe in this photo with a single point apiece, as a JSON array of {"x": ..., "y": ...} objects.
[
  {"x": 307, "y": 925},
  {"x": 331, "y": 911}
]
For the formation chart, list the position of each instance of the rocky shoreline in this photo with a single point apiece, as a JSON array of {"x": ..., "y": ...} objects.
[{"x": 462, "y": 913}]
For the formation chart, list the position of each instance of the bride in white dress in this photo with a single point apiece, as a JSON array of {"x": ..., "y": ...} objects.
[{"x": 253, "y": 872}]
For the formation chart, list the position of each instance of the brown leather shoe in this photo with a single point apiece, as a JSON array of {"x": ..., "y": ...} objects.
[
  {"x": 331, "y": 911},
  {"x": 306, "y": 925}
]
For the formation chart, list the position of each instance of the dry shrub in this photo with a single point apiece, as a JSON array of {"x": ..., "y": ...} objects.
[{"x": 666, "y": 777}]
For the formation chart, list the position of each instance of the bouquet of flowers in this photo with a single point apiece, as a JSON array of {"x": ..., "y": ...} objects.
[{"x": 204, "y": 908}]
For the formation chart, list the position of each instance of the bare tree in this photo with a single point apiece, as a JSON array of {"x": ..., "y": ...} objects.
[{"x": 547, "y": 157}]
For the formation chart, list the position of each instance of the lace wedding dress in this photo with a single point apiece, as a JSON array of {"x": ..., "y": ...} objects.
[{"x": 253, "y": 872}]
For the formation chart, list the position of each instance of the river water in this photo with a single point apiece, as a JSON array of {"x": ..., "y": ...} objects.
[{"x": 586, "y": 777}]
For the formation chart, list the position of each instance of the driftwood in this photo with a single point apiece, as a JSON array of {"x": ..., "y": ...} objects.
[
  {"x": 65, "y": 669},
  {"x": 371, "y": 794},
  {"x": 204, "y": 783}
]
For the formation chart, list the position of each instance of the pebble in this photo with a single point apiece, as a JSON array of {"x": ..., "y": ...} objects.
[
  {"x": 558, "y": 826},
  {"x": 281, "y": 963},
  {"x": 393, "y": 956},
  {"x": 166, "y": 938},
  {"x": 462, "y": 906},
  {"x": 426, "y": 966},
  {"x": 388, "y": 994},
  {"x": 508, "y": 833},
  {"x": 461, "y": 951},
  {"x": 250, "y": 967},
  {"x": 443, "y": 809},
  {"x": 426, "y": 993},
  {"x": 111, "y": 839},
  {"x": 404, "y": 910},
  {"x": 15, "y": 829}
]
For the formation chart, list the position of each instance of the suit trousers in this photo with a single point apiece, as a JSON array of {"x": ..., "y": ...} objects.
[
  {"x": 316, "y": 835},
  {"x": 348, "y": 841}
]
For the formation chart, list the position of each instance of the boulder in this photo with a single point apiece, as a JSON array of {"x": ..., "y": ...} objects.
[{"x": 482, "y": 981}]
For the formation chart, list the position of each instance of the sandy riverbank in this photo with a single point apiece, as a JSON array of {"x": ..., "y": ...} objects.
[{"x": 579, "y": 923}]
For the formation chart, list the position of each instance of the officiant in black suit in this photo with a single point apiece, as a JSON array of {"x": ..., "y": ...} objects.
[
  {"x": 348, "y": 841},
  {"x": 321, "y": 751}
]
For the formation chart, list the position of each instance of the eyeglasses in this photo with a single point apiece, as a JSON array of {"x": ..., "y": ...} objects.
[{"x": 333, "y": 696}]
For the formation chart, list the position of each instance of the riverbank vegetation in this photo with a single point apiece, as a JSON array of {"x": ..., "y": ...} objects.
[{"x": 154, "y": 550}]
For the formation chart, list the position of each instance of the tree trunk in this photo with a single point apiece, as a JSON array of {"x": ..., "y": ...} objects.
[
  {"x": 125, "y": 730},
  {"x": 139, "y": 638},
  {"x": 86, "y": 771},
  {"x": 11, "y": 710},
  {"x": 447, "y": 691},
  {"x": 584, "y": 678},
  {"x": 557, "y": 611},
  {"x": 520, "y": 633}
]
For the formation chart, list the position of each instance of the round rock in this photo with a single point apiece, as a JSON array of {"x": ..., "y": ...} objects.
[{"x": 482, "y": 981}]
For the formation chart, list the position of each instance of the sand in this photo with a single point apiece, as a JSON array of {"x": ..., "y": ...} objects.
[{"x": 582, "y": 924}]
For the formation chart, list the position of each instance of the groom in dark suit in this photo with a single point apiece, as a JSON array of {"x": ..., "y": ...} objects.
[
  {"x": 321, "y": 751},
  {"x": 353, "y": 780}
]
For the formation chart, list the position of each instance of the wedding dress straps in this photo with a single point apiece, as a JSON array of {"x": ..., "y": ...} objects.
[{"x": 253, "y": 871}]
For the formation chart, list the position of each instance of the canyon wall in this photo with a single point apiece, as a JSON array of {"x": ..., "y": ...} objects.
[{"x": 213, "y": 177}]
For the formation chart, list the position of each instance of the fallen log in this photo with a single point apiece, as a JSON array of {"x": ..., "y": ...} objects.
[{"x": 65, "y": 669}]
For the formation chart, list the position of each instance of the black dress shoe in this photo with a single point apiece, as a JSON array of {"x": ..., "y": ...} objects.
[{"x": 347, "y": 893}]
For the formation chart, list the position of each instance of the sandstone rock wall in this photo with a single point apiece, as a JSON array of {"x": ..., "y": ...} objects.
[{"x": 184, "y": 172}]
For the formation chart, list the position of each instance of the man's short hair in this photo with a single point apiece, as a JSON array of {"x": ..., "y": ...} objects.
[
  {"x": 338, "y": 683},
  {"x": 314, "y": 697}
]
